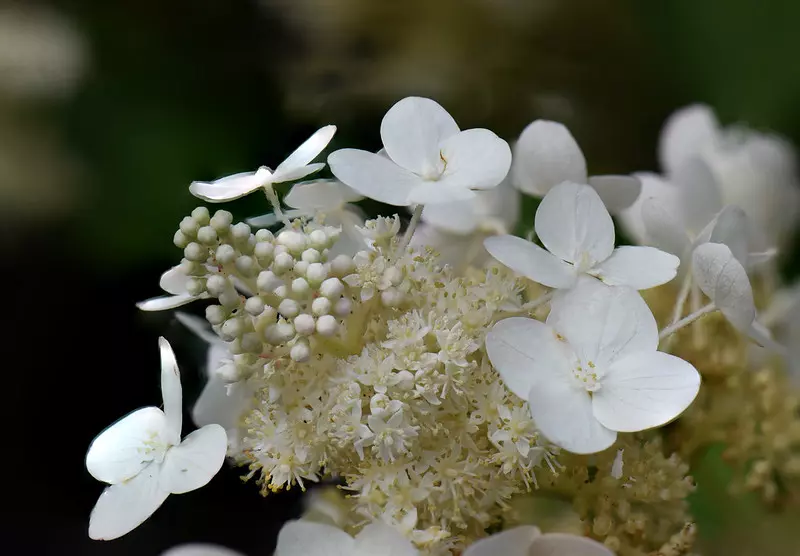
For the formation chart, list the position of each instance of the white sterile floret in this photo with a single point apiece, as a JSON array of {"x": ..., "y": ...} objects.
[
  {"x": 546, "y": 154},
  {"x": 724, "y": 280},
  {"x": 527, "y": 540},
  {"x": 592, "y": 370},
  {"x": 428, "y": 158},
  {"x": 175, "y": 282},
  {"x": 144, "y": 460},
  {"x": 306, "y": 538},
  {"x": 297, "y": 165},
  {"x": 200, "y": 549},
  {"x": 577, "y": 230}
]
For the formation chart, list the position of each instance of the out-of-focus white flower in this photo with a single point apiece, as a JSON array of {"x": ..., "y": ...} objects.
[
  {"x": 197, "y": 549},
  {"x": 577, "y": 230},
  {"x": 428, "y": 158},
  {"x": 176, "y": 283},
  {"x": 706, "y": 167},
  {"x": 546, "y": 154},
  {"x": 144, "y": 460},
  {"x": 457, "y": 230},
  {"x": 528, "y": 540},
  {"x": 297, "y": 165},
  {"x": 724, "y": 280},
  {"x": 592, "y": 370},
  {"x": 305, "y": 538}
]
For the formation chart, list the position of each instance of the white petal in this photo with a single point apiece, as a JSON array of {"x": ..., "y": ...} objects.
[
  {"x": 171, "y": 390},
  {"x": 545, "y": 155},
  {"x": 645, "y": 390},
  {"x": 230, "y": 187},
  {"x": 562, "y": 411},
  {"x": 351, "y": 241},
  {"x": 435, "y": 192},
  {"x": 563, "y": 544},
  {"x": 653, "y": 187},
  {"x": 574, "y": 225},
  {"x": 221, "y": 403},
  {"x": 730, "y": 228},
  {"x": 174, "y": 281},
  {"x": 122, "y": 508},
  {"x": 512, "y": 542},
  {"x": 662, "y": 229},
  {"x": 200, "y": 327},
  {"x": 305, "y": 153},
  {"x": 640, "y": 268},
  {"x": 501, "y": 205},
  {"x": 166, "y": 302},
  {"x": 698, "y": 193},
  {"x": 298, "y": 173},
  {"x": 373, "y": 176},
  {"x": 270, "y": 219},
  {"x": 531, "y": 261},
  {"x": 602, "y": 323},
  {"x": 457, "y": 217},
  {"x": 724, "y": 280},
  {"x": 118, "y": 453},
  {"x": 475, "y": 158},
  {"x": 197, "y": 549},
  {"x": 522, "y": 349},
  {"x": 617, "y": 192},
  {"x": 686, "y": 133},
  {"x": 305, "y": 538},
  {"x": 320, "y": 195},
  {"x": 379, "y": 539},
  {"x": 195, "y": 461},
  {"x": 412, "y": 131}
]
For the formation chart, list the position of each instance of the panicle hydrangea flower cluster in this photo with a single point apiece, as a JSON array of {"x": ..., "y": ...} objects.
[{"x": 443, "y": 375}]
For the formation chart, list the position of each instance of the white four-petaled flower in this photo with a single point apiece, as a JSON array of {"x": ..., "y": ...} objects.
[
  {"x": 306, "y": 538},
  {"x": 577, "y": 230},
  {"x": 546, "y": 155},
  {"x": 144, "y": 460},
  {"x": 528, "y": 540},
  {"x": 296, "y": 166},
  {"x": 592, "y": 370},
  {"x": 428, "y": 159},
  {"x": 174, "y": 282}
]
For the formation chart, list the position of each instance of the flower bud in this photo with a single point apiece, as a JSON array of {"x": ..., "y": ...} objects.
[
  {"x": 283, "y": 262},
  {"x": 327, "y": 325},
  {"x": 240, "y": 231},
  {"x": 331, "y": 288},
  {"x": 189, "y": 226},
  {"x": 254, "y": 306},
  {"x": 207, "y": 235},
  {"x": 289, "y": 308},
  {"x": 264, "y": 235},
  {"x": 231, "y": 328},
  {"x": 215, "y": 314},
  {"x": 295, "y": 242},
  {"x": 221, "y": 221},
  {"x": 225, "y": 254},
  {"x": 311, "y": 256},
  {"x": 304, "y": 324},
  {"x": 201, "y": 216},
  {"x": 279, "y": 333},
  {"x": 316, "y": 273},
  {"x": 217, "y": 284},
  {"x": 300, "y": 352},
  {"x": 195, "y": 252},
  {"x": 267, "y": 281},
  {"x": 300, "y": 287},
  {"x": 246, "y": 265},
  {"x": 321, "y": 306},
  {"x": 343, "y": 307},
  {"x": 180, "y": 240},
  {"x": 342, "y": 265}
]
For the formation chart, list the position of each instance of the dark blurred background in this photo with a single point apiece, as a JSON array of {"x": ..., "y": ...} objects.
[{"x": 108, "y": 110}]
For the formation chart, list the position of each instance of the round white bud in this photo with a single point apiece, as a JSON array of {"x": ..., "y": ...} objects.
[
  {"x": 268, "y": 315},
  {"x": 343, "y": 307},
  {"x": 331, "y": 288},
  {"x": 217, "y": 284},
  {"x": 283, "y": 262},
  {"x": 393, "y": 275},
  {"x": 281, "y": 291},
  {"x": 195, "y": 286},
  {"x": 231, "y": 328},
  {"x": 240, "y": 231},
  {"x": 225, "y": 254},
  {"x": 318, "y": 239},
  {"x": 201, "y": 215},
  {"x": 254, "y": 305},
  {"x": 221, "y": 221},
  {"x": 295, "y": 242},
  {"x": 251, "y": 343},
  {"x": 180, "y": 240},
  {"x": 279, "y": 333},
  {"x": 316, "y": 273},
  {"x": 207, "y": 235},
  {"x": 392, "y": 297},
  {"x": 300, "y": 267},
  {"x": 229, "y": 298},
  {"x": 264, "y": 235},
  {"x": 405, "y": 380},
  {"x": 215, "y": 314},
  {"x": 189, "y": 226},
  {"x": 195, "y": 252},
  {"x": 267, "y": 281},
  {"x": 311, "y": 256},
  {"x": 300, "y": 352},
  {"x": 300, "y": 287},
  {"x": 304, "y": 324},
  {"x": 289, "y": 308},
  {"x": 264, "y": 251},
  {"x": 333, "y": 234},
  {"x": 327, "y": 325},
  {"x": 190, "y": 268},
  {"x": 280, "y": 249},
  {"x": 342, "y": 265},
  {"x": 227, "y": 372},
  {"x": 246, "y": 265},
  {"x": 321, "y": 306}
]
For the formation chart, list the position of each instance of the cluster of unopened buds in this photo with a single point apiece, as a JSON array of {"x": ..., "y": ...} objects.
[{"x": 432, "y": 372}]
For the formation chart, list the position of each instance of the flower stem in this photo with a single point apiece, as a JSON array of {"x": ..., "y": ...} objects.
[
  {"x": 412, "y": 225},
  {"x": 272, "y": 197},
  {"x": 541, "y": 300},
  {"x": 686, "y": 321},
  {"x": 683, "y": 295}
]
